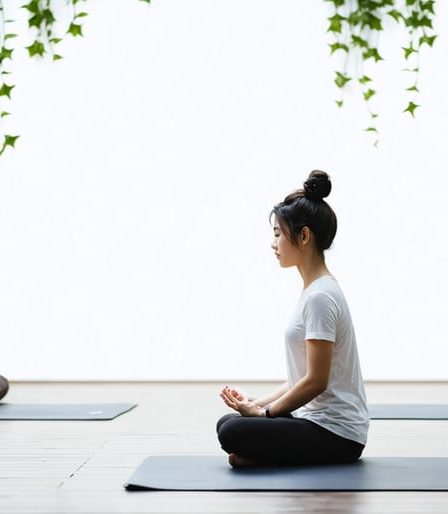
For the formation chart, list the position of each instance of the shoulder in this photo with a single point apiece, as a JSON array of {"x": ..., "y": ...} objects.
[{"x": 322, "y": 301}]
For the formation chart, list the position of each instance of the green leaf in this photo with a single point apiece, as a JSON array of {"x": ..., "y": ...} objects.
[
  {"x": 149, "y": 1},
  {"x": 368, "y": 94},
  {"x": 425, "y": 21},
  {"x": 408, "y": 50},
  {"x": 4, "y": 113},
  {"x": 416, "y": 21},
  {"x": 411, "y": 108},
  {"x": 36, "y": 20},
  {"x": 372, "y": 52},
  {"x": 338, "y": 46},
  {"x": 354, "y": 18},
  {"x": 339, "y": 103},
  {"x": 429, "y": 40},
  {"x": 8, "y": 141},
  {"x": 48, "y": 16},
  {"x": 364, "y": 79},
  {"x": 5, "y": 90},
  {"x": 412, "y": 88},
  {"x": 396, "y": 15},
  {"x": 370, "y": 20},
  {"x": 57, "y": 57},
  {"x": 32, "y": 7},
  {"x": 341, "y": 79},
  {"x": 55, "y": 40},
  {"x": 371, "y": 129},
  {"x": 427, "y": 6},
  {"x": 81, "y": 15},
  {"x": 75, "y": 30},
  {"x": 414, "y": 70},
  {"x": 37, "y": 48},
  {"x": 335, "y": 23},
  {"x": 5, "y": 53},
  {"x": 359, "y": 41},
  {"x": 374, "y": 115},
  {"x": 10, "y": 36}
]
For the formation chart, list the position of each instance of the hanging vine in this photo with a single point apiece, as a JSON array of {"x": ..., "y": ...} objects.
[
  {"x": 46, "y": 34},
  {"x": 356, "y": 26}
]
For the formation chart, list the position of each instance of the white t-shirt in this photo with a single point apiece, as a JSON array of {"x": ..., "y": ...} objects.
[{"x": 322, "y": 313}]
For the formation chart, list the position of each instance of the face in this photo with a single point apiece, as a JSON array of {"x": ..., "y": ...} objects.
[{"x": 287, "y": 254}]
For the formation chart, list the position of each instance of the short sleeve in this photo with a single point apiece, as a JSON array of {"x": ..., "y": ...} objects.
[{"x": 320, "y": 317}]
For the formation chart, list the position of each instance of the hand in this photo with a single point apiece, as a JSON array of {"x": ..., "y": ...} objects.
[
  {"x": 239, "y": 395},
  {"x": 244, "y": 406}
]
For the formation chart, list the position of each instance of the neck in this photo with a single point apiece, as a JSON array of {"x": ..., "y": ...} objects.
[{"x": 312, "y": 269}]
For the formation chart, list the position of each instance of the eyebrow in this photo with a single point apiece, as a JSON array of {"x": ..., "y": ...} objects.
[{"x": 276, "y": 227}]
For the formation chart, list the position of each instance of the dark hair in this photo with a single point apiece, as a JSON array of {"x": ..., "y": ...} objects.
[{"x": 306, "y": 207}]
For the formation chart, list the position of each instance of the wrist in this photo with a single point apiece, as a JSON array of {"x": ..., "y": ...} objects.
[{"x": 267, "y": 412}]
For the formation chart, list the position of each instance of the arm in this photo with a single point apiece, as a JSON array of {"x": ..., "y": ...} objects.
[
  {"x": 249, "y": 406},
  {"x": 265, "y": 400},
  {"x": 318, "y": 365},
  {"x": 318, "y": 360}
]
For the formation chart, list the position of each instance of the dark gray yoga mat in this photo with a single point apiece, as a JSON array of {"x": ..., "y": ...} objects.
[
  {"x": 408, "y": 411},
  {"x": 66, "y": 411},
  {"x": 210, "y": 473}
]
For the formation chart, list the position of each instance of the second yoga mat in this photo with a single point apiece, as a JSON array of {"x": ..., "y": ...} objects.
[
  {"x": 59, "y": 411},
  {"x": 408, "y": 411}
]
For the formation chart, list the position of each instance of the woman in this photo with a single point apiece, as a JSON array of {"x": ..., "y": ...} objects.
[{"x": 319, "y": 416}]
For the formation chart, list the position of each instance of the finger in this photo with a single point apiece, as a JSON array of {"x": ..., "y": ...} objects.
[
  {"x": 230, "y": 404},
  {"x": 231, "y": 398},
  {"x": 226, "y": 391},
  {"x": 236, "y": 394},
  {"x": 227, "y": 400},
  {"x": 230, "y": 401}
]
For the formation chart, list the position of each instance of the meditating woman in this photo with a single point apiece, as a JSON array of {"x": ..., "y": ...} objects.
[{"x": 319, "y": 415}]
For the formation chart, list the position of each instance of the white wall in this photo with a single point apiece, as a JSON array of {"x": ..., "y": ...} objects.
[{"x": 134, "y": 234}]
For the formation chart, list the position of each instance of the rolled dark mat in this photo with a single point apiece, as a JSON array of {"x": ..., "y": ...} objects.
[{"x": 4, "y": 386}]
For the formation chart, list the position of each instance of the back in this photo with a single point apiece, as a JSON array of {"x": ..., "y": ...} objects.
[{"x": 322, "y": 313}]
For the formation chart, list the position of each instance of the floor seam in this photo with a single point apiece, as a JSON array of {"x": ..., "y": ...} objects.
[{"x": 97, "y": 450}]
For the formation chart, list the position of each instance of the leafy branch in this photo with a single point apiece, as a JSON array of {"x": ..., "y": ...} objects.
[
  {"x": 356, "y": 26},
  {"x": 6, "y": 86},
  {"x": 46, "y": 34}
]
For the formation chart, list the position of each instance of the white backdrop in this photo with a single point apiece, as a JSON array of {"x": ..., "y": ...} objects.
[{"x": 134, "y": 234}]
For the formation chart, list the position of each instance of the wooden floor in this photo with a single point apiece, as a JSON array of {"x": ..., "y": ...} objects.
[{"x": 80, "y": 467}]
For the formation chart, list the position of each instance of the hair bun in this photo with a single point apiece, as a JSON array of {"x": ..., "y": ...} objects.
[{"x": 317, "y": 185}]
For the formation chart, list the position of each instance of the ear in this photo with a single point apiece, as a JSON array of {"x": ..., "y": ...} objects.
[{"x": 305, "y": 236}]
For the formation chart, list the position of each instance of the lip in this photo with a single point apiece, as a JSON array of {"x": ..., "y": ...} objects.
[{"x": 277, "y": 255}]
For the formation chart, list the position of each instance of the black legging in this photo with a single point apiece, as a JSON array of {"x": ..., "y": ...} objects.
[{"x": 284, "y": 440}]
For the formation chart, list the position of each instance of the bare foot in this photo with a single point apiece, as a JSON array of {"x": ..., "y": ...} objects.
[{"x": 240, "y": 462}]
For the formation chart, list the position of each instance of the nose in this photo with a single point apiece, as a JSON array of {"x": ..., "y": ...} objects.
[{"x": 274, "y": 245}]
